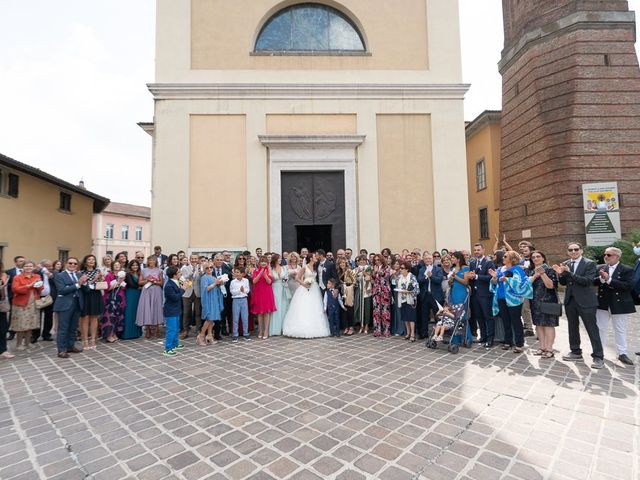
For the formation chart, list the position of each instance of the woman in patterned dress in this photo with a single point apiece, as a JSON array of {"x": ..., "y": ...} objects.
[
  {"x": 26, "y": 288},
  {"x": 381, "y": 289},
  {"x": 112, "y": 321}
]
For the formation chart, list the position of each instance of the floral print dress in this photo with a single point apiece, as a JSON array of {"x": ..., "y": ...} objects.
[{"x": 381, "y": 289}]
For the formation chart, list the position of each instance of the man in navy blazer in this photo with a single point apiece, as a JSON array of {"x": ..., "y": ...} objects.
[
  {"x": 481, "y": 296},
  {"x": 615, "y": 283},
  {"x": 430, "y": 279},
  {"x": 68, "y": 304},
  {"x": 325, "y": 270}
]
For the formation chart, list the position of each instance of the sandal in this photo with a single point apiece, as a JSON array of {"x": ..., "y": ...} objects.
[
  {"x": 407, "y": 337},
  {"x": 539, "y": 352},
  {"x": 506, "y": 347},
  {"x": 547, "y": 354},
  {"x": 412, "y": 339},
  {"x": 517, "y": 350}
]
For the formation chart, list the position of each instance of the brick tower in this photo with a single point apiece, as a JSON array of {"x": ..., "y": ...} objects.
[{"x": 570, "y": 115}]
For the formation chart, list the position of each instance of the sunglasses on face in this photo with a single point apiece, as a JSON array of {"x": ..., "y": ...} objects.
[
  {"x": 573, "y": 249},
  {"x": 610, "y": 255},
  {"x": 72, "y": 263}
]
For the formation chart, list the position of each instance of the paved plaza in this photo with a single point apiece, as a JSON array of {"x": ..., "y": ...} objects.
[{"x": 348, "y": 408}]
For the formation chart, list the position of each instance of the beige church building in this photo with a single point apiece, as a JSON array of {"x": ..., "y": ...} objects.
[{"x": 329, "y": 124}]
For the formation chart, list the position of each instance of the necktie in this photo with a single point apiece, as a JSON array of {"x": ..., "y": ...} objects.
[
  {"x": 73, "y": 275},
  {"x": 572, "y": 266}
]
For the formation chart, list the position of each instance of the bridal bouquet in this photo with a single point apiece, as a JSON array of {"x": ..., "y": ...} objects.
[{"x": 308, "y": 282}]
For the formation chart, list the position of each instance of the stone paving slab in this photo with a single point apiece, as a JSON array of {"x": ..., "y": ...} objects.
[{"x": 350, "y": 408}]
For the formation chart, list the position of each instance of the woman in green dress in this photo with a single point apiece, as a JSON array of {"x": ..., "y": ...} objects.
[{"x": 132, "y": 296}]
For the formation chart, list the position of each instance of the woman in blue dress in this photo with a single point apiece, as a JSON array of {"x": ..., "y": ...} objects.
[
  {"x": 132, "y": 297},
  {"x": 212, "y": 302},
  {"x": 459, "y": 291},
  {"x": 281, "y": 294}
]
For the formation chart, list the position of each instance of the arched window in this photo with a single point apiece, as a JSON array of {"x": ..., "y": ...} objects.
[{"x": 309, "y": 27}]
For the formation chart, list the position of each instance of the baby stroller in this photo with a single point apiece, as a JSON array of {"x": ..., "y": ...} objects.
[{"x": 455, "y": 322}]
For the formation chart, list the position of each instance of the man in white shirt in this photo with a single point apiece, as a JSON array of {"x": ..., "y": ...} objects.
[{"x": 239, "y": 289}]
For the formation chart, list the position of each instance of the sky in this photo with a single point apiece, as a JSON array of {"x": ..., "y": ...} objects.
[{"x": 73, "y": 77}]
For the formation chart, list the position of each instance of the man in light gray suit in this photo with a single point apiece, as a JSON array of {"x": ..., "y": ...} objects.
[{"x": 580, "y": 301}]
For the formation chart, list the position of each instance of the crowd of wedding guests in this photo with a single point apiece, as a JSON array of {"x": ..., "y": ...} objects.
[{"x": 503, "y": 297}]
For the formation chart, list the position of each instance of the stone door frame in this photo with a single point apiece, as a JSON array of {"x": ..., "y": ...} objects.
[{"x": 312, "y": 153}]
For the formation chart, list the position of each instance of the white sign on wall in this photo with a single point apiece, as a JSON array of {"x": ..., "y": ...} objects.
[{"x": 601, "y": 213}]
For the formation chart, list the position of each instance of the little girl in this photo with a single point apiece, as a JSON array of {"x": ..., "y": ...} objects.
[
  {"x": 263, "y": 302},
  {"x": 446, "y": 320}
]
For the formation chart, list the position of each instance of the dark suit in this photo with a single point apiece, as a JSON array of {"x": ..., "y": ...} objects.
[
  {"x": 636, "y": 283},
  {"x": 615, "y": 302},
  {"x": 328, "y": 271},
  {"x": 580, "y": 301},
  {"x": 227, "y": 325},
  {"x": 430, "y": 293},
  {"x": 11, "y": 273},
  {"x": 69, "y": 302},
  {"x": 482, "y": 299}
]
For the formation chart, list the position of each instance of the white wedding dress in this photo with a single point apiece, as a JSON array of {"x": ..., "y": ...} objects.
[{"x": 306, "y": 317}]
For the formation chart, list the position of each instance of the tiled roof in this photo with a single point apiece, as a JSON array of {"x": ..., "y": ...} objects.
[
  {"x": 99, "y": 202},
  {"x": 128, "y": 209}
]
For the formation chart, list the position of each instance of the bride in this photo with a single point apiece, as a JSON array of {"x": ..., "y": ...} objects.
[{"x": 306, "y": 317}]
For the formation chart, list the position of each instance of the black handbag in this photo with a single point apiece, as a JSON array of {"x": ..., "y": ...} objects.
[{"x": 551, "y": 308}]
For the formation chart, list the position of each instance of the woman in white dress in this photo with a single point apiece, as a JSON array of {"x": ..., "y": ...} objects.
[
  {"x": 293, "y": 264},
  {"x": 306, "y": 317}
]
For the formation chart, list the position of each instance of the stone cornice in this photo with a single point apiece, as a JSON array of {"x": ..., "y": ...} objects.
[
  {"x": 311, "y": 141},
  {"x": 576, "y": 20},
  {"x": 208, "y": 91}
]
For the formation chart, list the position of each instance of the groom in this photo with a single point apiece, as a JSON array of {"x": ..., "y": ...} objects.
[{"x": 326, "y": 270}]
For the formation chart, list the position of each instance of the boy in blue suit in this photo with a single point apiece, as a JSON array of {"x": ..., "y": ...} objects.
[
  {"x": 171, "y": 311},
  {"x": 332, "y": 305}
]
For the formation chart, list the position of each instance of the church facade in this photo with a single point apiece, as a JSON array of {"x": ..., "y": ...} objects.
[{"x": 281, "y": 124}]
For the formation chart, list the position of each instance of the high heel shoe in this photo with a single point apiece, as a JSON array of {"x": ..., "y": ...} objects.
[
  {"x": 147, "y": 332},
  {"x": 200, "y": 340},
  {"x": 209, "y": 339}
]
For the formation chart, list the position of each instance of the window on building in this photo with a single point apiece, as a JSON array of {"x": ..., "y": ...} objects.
[
  {"x": 13, "y": 184},
  {"x": 481, "y": 176},
  {"x": 63, "y": 256},
  {"x": 108, "y": 233},
  {"x": 309, "y": 27},
  {"x": 110, "y": 253},
  {"x": 124, "y": 232},
  {"x": 139, "y": 234},
  {"x": 65, "y": 201},
  {"x": 484, "y": 223},
  {"x": 2, "y": 254}
]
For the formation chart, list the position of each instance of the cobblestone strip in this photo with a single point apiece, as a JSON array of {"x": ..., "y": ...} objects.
[{"x": 38, "y": 414}]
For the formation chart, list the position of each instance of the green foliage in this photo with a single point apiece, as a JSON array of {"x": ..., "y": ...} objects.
[{"x": 626, "y": 245}]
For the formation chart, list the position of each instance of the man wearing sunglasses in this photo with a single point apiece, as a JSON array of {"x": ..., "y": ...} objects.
[
  {"x": 578, "y": 275},
  {"x": 615, "y": 282},
  {"x": 68, "y": 304}
]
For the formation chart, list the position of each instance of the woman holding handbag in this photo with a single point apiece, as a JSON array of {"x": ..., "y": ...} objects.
[
  {"x": 545, "y": 308},
  {"x": 93, "y": 306},
  {"x": 5, "y": 306},
  {"x": 26, "y": 288}
]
